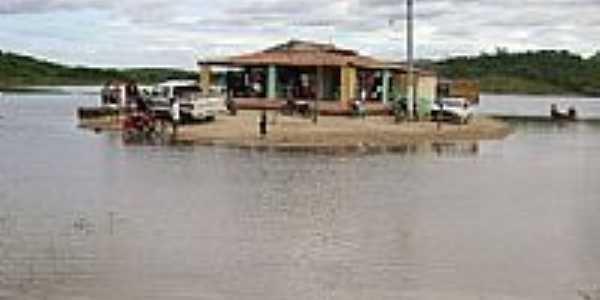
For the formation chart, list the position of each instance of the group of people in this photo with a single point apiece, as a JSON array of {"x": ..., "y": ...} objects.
[
  {"x": 141, "y": 119},
  {"x": 120, "y": 93}
]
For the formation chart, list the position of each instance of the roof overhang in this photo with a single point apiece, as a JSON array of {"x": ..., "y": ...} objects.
[{"x": 307, "y": 54}]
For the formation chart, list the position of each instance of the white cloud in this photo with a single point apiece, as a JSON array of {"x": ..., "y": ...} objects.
[{"x": 210, "y": 28}]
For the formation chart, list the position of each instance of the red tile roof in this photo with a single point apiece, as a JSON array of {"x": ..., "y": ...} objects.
[
  {"x": 309, "y": 54},
  {"x": 301, "y": 53}
]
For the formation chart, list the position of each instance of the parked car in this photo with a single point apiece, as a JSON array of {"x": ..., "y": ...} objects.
[
  {"x": 193, "y": 105},
  {"x": 452, "y": 109},
  {"x": 202, "y": 108}
]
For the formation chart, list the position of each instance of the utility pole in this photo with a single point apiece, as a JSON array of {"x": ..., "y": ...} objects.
[{"x": 410, "y": 85}]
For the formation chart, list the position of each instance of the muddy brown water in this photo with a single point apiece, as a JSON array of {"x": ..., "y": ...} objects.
[{"x": 83, "y": 216}]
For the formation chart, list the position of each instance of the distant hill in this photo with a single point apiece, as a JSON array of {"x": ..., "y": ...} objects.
[
  {"x": 20, "y": 70},
  {"x": 532, "y": 72}
]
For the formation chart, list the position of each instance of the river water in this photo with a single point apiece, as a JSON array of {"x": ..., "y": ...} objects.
[{"x": 84, "y": 217}]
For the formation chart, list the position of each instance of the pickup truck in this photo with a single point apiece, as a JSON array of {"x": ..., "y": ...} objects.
[
  {"x": 452, "y": 109},
  {"x": 193, "y": 105}
]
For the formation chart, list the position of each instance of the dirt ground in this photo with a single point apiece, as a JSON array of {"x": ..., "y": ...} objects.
[
  {"x": 285, "y": 132},
  {"x": 342, "y": 132}
]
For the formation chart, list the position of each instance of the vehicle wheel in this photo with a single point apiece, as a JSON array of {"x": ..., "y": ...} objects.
[
  {"x": 467, "y": 120},
  {"x": 210, "y": 119}
]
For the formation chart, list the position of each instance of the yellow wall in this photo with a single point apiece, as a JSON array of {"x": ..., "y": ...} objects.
[
  {"x": 427, "y": 87},
  {"x": 347, "y": 84},
  {"x": 426, "y": 90},
  {"x": 426, "y": 93},
  {"x": 399, "y": 84}
]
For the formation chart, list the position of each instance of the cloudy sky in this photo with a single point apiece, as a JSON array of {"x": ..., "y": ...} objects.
[{"x": 175, "y": 33}]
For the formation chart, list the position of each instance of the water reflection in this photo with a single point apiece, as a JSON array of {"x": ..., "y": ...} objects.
[
  {"x": 83, "y": 216},
  {"x": 455, "y": 149},
  {"x": 512, "y": 106}
]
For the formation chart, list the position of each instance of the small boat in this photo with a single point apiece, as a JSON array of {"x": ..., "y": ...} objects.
[
  {"x": 116, "y": 97},
  {"x": 569, "y": 115}
]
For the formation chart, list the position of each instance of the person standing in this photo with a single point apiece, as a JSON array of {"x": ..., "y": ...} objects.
[{"x": 105, "y": 94}]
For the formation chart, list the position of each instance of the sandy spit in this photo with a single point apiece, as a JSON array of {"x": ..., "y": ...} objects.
[{"x": 341, "y": 133}]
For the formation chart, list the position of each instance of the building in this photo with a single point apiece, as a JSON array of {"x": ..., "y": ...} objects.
[{"x": 310, "y": 71}]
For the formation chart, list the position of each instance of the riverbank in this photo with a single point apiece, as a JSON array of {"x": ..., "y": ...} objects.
[{"x": 294, "y": 133}]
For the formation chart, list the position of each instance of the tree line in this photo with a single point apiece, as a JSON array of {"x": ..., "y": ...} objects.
[
  {"x": 21, "y": 70},
  {"x": 531, "y": 72}
]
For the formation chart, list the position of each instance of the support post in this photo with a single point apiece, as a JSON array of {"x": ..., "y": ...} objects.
[
  {"x": 272, "y": 82},
  {"x": 205, "y": 78},
  {"x": 385, "y": 94},
  {"x": 321, "y": 83},
  {"x": 411, "y": 91}
]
